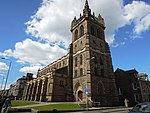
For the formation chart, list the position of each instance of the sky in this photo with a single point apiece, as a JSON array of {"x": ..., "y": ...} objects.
[{"x": 34, "y": 33}]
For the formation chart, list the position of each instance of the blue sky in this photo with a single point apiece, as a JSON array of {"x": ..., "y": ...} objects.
[{"x": 34, "y": 33}]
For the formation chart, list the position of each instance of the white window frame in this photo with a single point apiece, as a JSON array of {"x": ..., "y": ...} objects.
[
  {"x": 119, "y": 91},
  {"x": 134, "y": 86},
  {"x": 136, "y": 97}
]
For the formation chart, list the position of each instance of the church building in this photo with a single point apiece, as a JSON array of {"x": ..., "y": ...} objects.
[{"x": 85, "y": 73}]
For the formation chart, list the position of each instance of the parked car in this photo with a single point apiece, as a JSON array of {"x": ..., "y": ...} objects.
[{"x": 141, "y": 108}]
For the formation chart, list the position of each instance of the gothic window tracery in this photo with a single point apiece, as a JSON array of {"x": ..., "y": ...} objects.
[
  {"x": 76, "y": 61},
  {"x": 98, "y": 33},
  {"x": 96, "y": 71},
  {"x": 81, "y": 59},
  {"x": 102, "y": 72},
  {"x": 76, "y": 35},
  {"x": 95, "y": 59},
  {"x": 81, "y": 72},
  {"x": 101, "y": 61},
  {"x": 81, "y": 31},
  {"x": 75, "y": 48},
  {"x": 92, "y": 30},
  {"x": 75, "y": 73},
  {"x": 100, "y": 89}
]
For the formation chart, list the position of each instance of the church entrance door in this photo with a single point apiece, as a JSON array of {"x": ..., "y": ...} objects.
[{"x": 80, "y": 95}]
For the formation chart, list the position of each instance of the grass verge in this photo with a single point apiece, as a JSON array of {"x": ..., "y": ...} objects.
[
  {"x": 22, "y": 103},
  {"x": 70, "y": 106}
]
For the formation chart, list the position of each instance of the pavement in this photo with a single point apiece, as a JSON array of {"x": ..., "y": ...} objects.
[
  {"x": 33, "y": 105},
  {"x": 89, "y": 109}
]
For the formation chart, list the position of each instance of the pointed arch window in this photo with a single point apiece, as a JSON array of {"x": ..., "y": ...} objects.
[
  {"x": 81, "y": 31},
  {"x": 100, "y": 88},
  {"x": 102, "y": 72},
  {"x": 81, "y": 72},
  {"x": 76, "y": 35},
  {"x": 95, "y": 59},
  {"x": 98, "y": 33},
  {"x": 101, "y": 61},
  {"x": 102, "y": 34},
  {"x": 92, "y": 30},
  {"x": 76, "y": 61},
  {"x": 96, "y": 71},
  {"x": 75, "y": 73},
  {"x": 81, "y": 60}
]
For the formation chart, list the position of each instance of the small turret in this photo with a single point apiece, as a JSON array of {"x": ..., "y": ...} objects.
[
  {"x": 100, "y": 19},
  {"x": 74, "y": 21}
]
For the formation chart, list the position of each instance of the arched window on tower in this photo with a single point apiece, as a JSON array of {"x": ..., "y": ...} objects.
[
  {"x": 76, "y": 35},
  {"x": 100, "y": 88},
  {"x": 101, "y": 61},
  {"x": 102, "y": 34},
  {"x": 95, "y": 59},
  {"x": 96, "y": 71},
  {"x": 75, "y": 73},
  {"x": 98, "y": 33},
  {"x": 81, "y": 72},
  {"x": 81, "y": 59},
  {"x": 92, "y": 30},
  {"x": 81, "y": 31},
  {"x": 76, "y": 61}
]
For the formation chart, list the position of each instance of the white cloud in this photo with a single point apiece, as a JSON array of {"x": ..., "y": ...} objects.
[
  {"x": 143, "y": 24},
  {"x": 54, "y": 23},
  {"x": 30, "y": 69},
  {"x": 33, "y": 53},
  {"x": 6, "y": 53},
  {"x": 7, "y": 86},
  {"x": 3, "y": 66},
  {"x": 36, "y": 53},
  {"x": 139, "y": 13},
  {"x": 113, "y": 14},
  {"x": 118, "y": 44}
]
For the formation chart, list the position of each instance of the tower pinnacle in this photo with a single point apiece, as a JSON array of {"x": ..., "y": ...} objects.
[
  {"x": 86, "y": 10},
  {"x": 86, "y": 5}
]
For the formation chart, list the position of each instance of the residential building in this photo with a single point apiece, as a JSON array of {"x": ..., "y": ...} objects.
[
  {"x": 133, "y": 86},
  {"x": 16, "y": 90}
]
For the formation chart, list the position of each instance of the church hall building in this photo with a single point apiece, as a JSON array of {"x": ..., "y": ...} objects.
[{"x": 85, "y": 73}]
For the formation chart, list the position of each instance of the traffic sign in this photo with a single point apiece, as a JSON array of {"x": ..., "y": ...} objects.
[{"x": 86, "y": 91}]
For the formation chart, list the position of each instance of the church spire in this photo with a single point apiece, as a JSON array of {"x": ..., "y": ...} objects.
[
  {"x": 86, "y": 5},
  {"x": 86, "y": 10}
]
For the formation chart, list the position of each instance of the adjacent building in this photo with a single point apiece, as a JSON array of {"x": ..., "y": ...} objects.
[
  {"x": 85, "y": 71},
  {"x": 133, "y": 86},
  {"x": 16, "y": 90}
]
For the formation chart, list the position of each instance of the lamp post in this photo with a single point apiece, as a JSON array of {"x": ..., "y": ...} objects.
[
  {"x": 7, "y": 72},
  {"x": 2, "y": 83},
  {"x": 86, "y": 89}
]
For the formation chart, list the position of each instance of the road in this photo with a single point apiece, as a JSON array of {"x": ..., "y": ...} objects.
[
  {"x": 96, "y": 111},
  {"x": 102, "y": 110},
  {"x": 119, "y": 110}
]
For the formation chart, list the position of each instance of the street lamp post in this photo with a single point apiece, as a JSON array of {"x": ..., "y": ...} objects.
[
  {"x": 2, "y": 84},
  {"x": 86, "y": 90},
  {"x": 7, "y": 72}
]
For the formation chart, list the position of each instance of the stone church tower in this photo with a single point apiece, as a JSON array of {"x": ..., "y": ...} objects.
[
  {"x": 85, "y": 74},
  {"x": 92, "y": 65}
]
